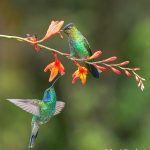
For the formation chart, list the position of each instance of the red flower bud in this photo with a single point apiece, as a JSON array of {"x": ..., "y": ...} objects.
[
  {"x": 100, "y": 68},
  {"x": 95, "y": 55},
  {"x": 137, "y": 78},
  {"x": 136, "y": 69},
  {"x": 115, "y": 70},
  {"x": 127, "y": 73},
  {"x": 109, "y": 59},
  {"x": 123, "y": 63}
]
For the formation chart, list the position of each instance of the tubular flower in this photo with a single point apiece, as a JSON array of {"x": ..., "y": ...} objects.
[
  {"x": 94, "y": 56},
  {"x": 54, "y": 28},
  {"x": 54, "y": 68},
  {"x": 80, "y": 73}
]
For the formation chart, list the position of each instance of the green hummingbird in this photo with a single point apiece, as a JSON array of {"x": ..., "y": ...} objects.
[
  {"x": 79, "y": 45},
  {"x": 42, "y": 110}
]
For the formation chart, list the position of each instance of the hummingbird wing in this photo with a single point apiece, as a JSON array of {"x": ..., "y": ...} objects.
[
  {"x": 59, "y": 106},
  {"x": 72, "y": 51},
  {"x": 87, "y": 45},
  {"x": 29, "y": 105}
]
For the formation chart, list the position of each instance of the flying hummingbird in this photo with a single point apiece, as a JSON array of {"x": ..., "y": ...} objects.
[
  {"x": 42, "y": 110},
  {"x": 79, "y": 45}
]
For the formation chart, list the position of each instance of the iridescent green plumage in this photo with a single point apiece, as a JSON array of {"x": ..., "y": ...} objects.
[
  {"x": 80, "y": 46},
  {"x": 47, "y": 107},
  {"x": 42, "y": 111}
]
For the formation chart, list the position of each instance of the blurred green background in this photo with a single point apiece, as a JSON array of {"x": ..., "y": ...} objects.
[{"x": 107, "y": 113}]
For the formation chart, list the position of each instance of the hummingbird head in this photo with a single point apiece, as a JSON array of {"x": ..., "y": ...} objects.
[
  {"x": 69, "y": 28},
  {"x": 48, "y": 94}
]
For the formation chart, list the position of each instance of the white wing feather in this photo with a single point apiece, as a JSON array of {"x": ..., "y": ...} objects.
[
  {"x": 59, "y": 106},
  {"x": 28, "y": 105}
]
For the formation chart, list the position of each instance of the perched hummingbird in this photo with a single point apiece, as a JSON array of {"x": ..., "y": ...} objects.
[
  {"x": 42, "y": 110},
  {"x": 79, "y": 45}
]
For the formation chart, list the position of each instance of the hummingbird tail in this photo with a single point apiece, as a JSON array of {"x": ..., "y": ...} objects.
[
  {"x": 34, "y": 134},
  {"x": 93, "y": 70}
]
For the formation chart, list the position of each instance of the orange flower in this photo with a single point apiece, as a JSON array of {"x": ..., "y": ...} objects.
[
  {"x": 54, "y": 68},
  {"x": 53, "y": 29},
  {"x": 80, "y": 73}
]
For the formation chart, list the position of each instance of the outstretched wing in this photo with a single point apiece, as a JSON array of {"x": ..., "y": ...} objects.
[
  {"x": 59, "y": 106},
  {"x": 29, "y": 105}
]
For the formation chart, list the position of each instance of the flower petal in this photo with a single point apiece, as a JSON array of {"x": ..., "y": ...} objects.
[
  {"x": 83, "y": 70},
  {"x": 61, "y": 69},
  {"x": 37, "y": 48},
  {"x": 59, "y": 65},
  {"x": 74, "y": 79},
  {"x": 53, "y": 74},
  {"x": 53, "y": 29},
  {"x": 75, "y": 76},
  {"x": 76, "y": 73},
  {"x": 49, "y": 67},
  {"x": 83, "y": 78}
]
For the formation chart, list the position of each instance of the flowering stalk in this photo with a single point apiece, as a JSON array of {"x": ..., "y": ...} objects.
[
  {"x": 56, "y": 66},
  {"x": 128, "y": 71}
]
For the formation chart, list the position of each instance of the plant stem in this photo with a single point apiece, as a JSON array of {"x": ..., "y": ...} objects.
[
  {"x": 26, "y": 40},
  {"x": 65, "y": 54}
]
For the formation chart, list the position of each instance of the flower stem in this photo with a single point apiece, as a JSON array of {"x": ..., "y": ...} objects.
[
  {"x": 74, "y": 59},
  {"x": 26, "y": 40}
]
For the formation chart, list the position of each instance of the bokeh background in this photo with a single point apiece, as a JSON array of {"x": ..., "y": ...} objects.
[{"x": 109, "y": 113}]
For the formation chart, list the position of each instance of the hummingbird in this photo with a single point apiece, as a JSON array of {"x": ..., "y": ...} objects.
[
  {"x": 42, "y": 110},
  {"x": 79, "y": 45}
]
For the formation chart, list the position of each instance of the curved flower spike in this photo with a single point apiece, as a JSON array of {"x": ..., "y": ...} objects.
[
  {"x": 53, "y": 29},
  {"x": 80, "y": 73},
  {"x": 54, "y": 68}
]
